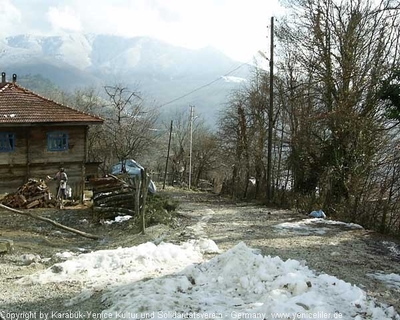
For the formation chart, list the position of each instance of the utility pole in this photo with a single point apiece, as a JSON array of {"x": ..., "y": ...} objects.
[
  {"x": 166, "y": 162},
  {"x": 270, "y": 113},
  {"x": 191, "y": 143}
]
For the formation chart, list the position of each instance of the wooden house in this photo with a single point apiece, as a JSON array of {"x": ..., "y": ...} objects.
[{"x": 38, "y": 136}]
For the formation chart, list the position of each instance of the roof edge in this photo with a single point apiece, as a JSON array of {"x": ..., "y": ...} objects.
[{"x": 6, "y": 85}]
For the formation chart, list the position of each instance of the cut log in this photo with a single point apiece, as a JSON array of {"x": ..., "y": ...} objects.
[
  {"x": 27, "y": 194},
  {"x": 32, "y": 204},
  {"x": 37, "y": 197},
  {"x": 22, "y": 199}
]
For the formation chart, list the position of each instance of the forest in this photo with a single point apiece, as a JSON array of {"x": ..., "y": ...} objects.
[{"x": 320, "y": 132}]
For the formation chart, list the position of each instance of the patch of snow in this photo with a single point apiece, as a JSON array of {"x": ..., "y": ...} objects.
[
  {"x": 393, "y": 248},
  {"x": 197, "y": 230},
  {"x": 310, "y": 226},
  {"x": 65, "y": 255},
  {"x": 391, "y": 280},
  {"x": 301, "y": 227},
  {"x": 118, "y": 219},
  {"x": 333, "y": 222},
  {"x": 233, "y": 79}
]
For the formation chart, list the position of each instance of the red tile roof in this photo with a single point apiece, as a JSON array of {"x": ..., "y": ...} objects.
[{"x": 21, "y": 106}]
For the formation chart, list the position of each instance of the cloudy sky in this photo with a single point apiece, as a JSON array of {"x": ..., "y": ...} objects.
[{"x": 239, "y": 28}]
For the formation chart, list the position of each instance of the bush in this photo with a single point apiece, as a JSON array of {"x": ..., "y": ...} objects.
[{"x": 160, "y": 209}]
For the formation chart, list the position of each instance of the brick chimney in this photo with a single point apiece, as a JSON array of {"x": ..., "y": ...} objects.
[
  {"x": 14, "y": 79},
  {"x": 3, "y": 77}
]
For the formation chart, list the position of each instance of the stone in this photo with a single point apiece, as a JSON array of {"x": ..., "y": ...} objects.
[{"x": 6, "y": 246}]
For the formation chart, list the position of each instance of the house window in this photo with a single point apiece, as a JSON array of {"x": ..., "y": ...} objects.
[
  {"x": 7, "y": 142},
  {"x": 57, "y": 141}
]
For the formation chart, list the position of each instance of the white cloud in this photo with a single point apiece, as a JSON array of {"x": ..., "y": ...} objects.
[
  {"x": 10, "y": 16},
  {"x": 239, "y": 28},
  {"x": 64, "y": 18},
  {"x": 236, "y": 27}
]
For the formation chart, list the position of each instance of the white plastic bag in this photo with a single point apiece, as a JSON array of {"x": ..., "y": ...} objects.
[{"x": 68, "y": 192}]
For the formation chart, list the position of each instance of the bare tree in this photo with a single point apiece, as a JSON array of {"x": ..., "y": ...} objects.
[
  {"x": 337, "y": 54},
  {"x": 243, "y": 133},
  {"x": 127, "y": 123},
  {"x": 235, "y": 145}
]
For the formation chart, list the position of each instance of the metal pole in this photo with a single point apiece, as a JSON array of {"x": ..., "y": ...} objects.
[
  {"x": 166, "y": 162},
  {"x": 191, "y": 144}
]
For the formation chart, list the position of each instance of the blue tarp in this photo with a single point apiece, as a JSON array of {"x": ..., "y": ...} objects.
[
  {"x": 133, "y": 168},
  {"x": 318, "y": 214}
]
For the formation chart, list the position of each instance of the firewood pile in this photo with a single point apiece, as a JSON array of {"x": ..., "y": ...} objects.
[
  {"x": 33, "y": 194},
  {"x": 112, "y": 196}
]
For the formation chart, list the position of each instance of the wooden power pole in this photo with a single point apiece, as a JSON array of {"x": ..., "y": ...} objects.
[
  {"x": 191, "y": 145},
  {"x": 166, "y": 162},
  {"x": 270, "y": 114}
]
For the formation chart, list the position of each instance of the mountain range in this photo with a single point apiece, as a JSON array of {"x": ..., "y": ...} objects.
[{"x": 163, "y": 73}]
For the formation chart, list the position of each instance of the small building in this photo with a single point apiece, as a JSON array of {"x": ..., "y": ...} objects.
[{"x": 38, "y": 136}]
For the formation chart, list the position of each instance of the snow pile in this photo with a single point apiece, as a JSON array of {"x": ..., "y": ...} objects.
[
  {"x": 204, "y": 246},
  {"x": 123, "y": 265},
  {"x": 173, "y": 281},
  {"x": 240, "y": 283}
]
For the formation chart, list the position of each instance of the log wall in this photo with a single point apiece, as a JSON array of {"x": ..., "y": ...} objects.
[{"x": 31, "y": 159}]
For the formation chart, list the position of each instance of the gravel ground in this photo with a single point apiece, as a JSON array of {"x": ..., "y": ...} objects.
[
  {"x": 36, "y": 244},
  {"x": 349, "y": 254}
]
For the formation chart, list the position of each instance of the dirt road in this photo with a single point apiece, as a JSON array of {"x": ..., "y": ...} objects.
[{"x": 347, "y": 252}]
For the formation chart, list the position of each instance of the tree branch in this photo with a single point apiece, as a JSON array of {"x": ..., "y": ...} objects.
[{"x": 54, "y": 223}]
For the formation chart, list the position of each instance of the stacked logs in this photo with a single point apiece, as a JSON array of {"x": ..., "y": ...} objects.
[
  {"x": 112, "y": 197},
  {"x": 33, "y": 194}
]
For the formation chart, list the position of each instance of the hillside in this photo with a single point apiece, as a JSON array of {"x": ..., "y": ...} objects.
[{"x": 161, "y": 71}]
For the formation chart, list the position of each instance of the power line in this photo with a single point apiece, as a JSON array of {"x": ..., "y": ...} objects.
[{"x": 206, "y": 85}]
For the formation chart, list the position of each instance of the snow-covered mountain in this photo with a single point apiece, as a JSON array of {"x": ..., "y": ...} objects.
[{"x": 161, "y": 71}]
